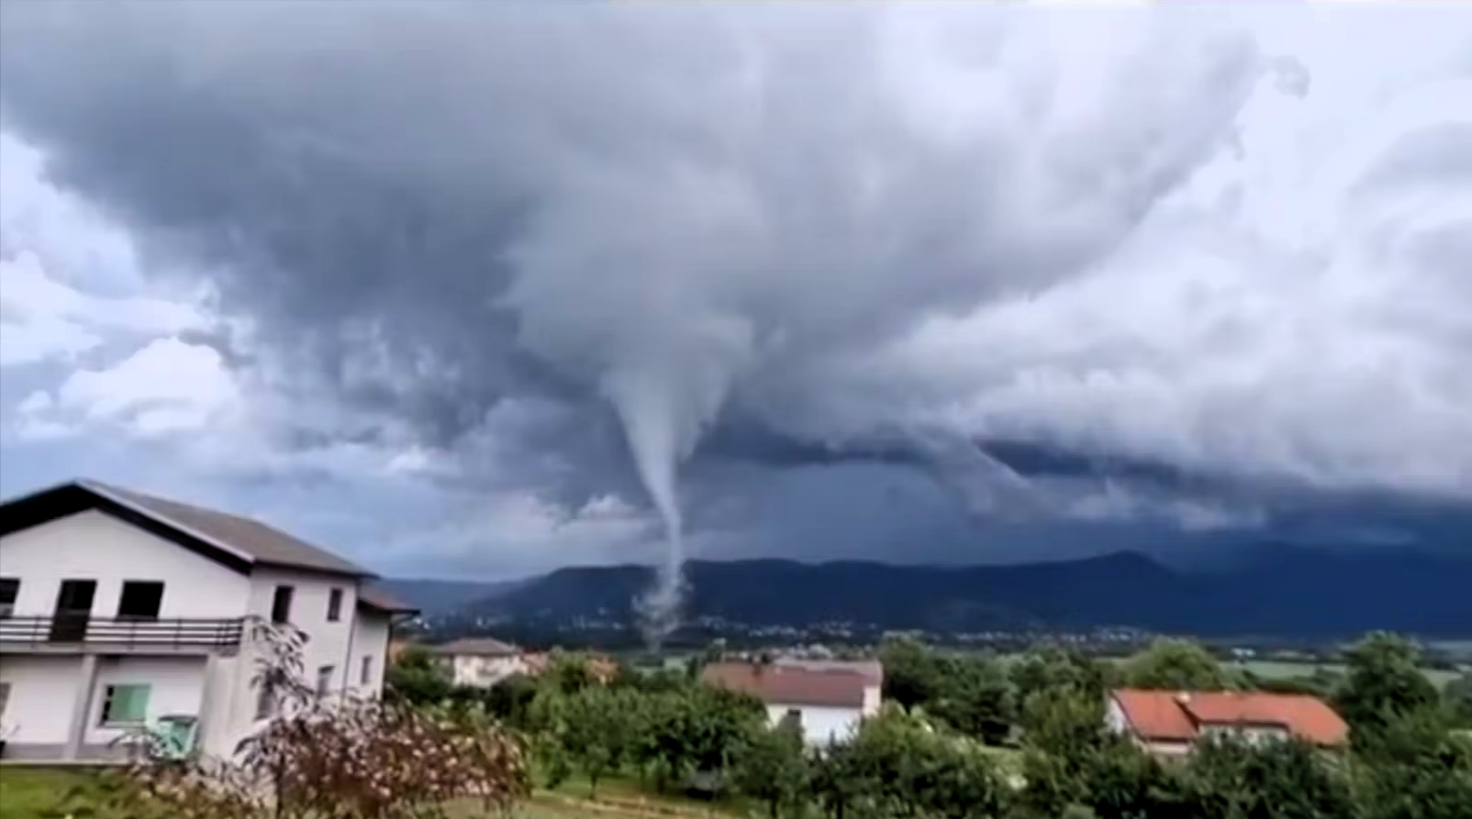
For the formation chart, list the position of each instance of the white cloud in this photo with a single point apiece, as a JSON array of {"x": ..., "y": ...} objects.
[
  {"x": 69, "y": 278},
  {"x": 167, "y": 386}
]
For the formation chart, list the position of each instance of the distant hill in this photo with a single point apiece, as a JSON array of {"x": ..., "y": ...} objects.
[
  {"x": 1283, "y": 591},
  {"x": 439, "y": 596}
]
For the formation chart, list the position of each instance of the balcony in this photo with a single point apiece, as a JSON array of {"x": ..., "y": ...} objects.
[{"x": 80, "y": 634}]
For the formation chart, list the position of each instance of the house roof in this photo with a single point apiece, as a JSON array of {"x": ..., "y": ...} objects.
[
  {"x": 871, "y": 670},
  {"x": 237, "y": 542},
  {"x": 476, "y": 647},
  {"x": 1179, "y": 716},
  {"x": 375, "y": 598},
  {"x": 789, "y": 684}
]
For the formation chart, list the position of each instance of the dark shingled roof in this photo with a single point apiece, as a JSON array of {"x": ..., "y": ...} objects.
[
  {"x": 375, "y": 598},
  {"x": 231, "y": 539},
  {"x": 476, "y": 647}
]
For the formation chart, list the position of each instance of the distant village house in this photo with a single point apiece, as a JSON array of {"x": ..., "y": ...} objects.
[
  {"x": 1170, "y": 723},
  {"x": 826, "y": 698},
  {"x": 484, "y": 662}
]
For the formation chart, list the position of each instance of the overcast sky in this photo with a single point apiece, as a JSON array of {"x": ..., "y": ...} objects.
[{"x": 475, "y": 289}]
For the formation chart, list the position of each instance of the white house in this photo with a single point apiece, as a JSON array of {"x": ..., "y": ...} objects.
[
  {"x": 480, "y": 661},
  {"x": 119, "y": 609},
  {"x": 827, "y": 699}
]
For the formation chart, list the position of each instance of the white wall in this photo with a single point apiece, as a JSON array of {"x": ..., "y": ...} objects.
[
  {"x": 1114, "y": 717},
  {"x": 371, "y": 640},
  {"x": 92, "y": 545},
  {"x": 176, "y": 686},
  {"x": 329, "y": 643},
  {"x": 821, "y": 725},
  {"x": 484, "y": 671},
  {"x": 871, "y": 700},
  {"x": 43, "y": 690}
]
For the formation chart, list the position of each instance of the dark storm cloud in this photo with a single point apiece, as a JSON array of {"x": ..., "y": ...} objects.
[{"x": 493, "y": 221}]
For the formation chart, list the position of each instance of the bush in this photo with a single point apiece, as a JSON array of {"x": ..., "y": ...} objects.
[{"x": 328, "y": 760}]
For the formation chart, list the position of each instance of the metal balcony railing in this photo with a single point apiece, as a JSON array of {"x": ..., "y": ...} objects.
[{"x": 63, "y": 630}]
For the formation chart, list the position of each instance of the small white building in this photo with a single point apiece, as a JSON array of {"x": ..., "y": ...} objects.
[
  {"x": 826, "y": 698},
  {"x": 480, "y": 661},
  {"x": 119, "y": 609}
]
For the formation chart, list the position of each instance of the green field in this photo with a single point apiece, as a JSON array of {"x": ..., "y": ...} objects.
[{"x": 1282, "y": 669}]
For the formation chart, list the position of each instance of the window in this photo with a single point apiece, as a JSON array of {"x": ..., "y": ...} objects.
[
  {"x": 324, "y": 680},
  {"x": 334, "y": 605},
  {"x": 281, "y": 605},
  {"x": 365, "y": 677},
  {"x": 793, "y": 718},
  {"x": 265, "y": 702},
  {"x": 125, "y": 704},
  {"x": 9, "y": 589},
  {"x": 140, "y": 600}
]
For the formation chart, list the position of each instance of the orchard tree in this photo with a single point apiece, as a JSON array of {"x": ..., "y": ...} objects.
[
  {"x": 1051, "y": 667},
  {"x": 898, "y": 764},
  {"x": 975, "y": 698},
  {"x": 1458, "y": 698},
  {"x": 1289, "y": 779},
  {"x": 594, "y": 729},
  {"x": 1416, "y": 769},
  {"x": 911, "y": 674},
  {"x": 414, "y": 677},
  {"x": 1064, "y": 722},
  {"x": 1383, "y": 685},
  {"x": 1177, "y": 665},
  {"x": 771, "y": 767}
]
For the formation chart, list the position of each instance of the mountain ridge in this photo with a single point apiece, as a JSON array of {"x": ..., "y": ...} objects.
[{"x": 1289, "y": 591}]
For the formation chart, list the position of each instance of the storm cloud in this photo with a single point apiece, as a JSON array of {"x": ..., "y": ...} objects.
[{"x": 980, "y": 265}]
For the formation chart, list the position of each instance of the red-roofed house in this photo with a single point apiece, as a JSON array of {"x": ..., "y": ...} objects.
[
  {"x": 828, "y": 702},
  {"x": 1170, "y": 722}
]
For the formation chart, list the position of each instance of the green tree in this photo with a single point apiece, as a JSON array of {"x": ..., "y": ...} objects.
[
  {"x": 694, "y": 729},
  {"x": 1065, "y": 722},
  {"x": 1286, "y": 779},
  {"x": 1383, "y": 685},
  {"x": 1178, "y": 665},
  {"x": 415, "y": 677},
  {"x": 772, "y": 768},
  {"x": 1416, "y": 769},
  {"x": 898, "y": 764},
  {"x": 911, "y": 674},
  {"x": 975, "y": 698},
  {"x": 1052, "y": 667},
  {"x": 1457, "y": 695},
  {"x": 596, "y": 730}
]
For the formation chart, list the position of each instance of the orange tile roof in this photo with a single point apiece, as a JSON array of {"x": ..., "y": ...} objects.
[
  {"x": 1155, "y": 715},
  {"x": 1171, "y": 715}
]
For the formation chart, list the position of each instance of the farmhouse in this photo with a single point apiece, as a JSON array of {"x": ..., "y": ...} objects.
[
  {"x": 827, "y": 700},
  {"x": 1169, "y": 723},
  {"x": 120, "y": 611},
  {"x": 480, "y": 661}
]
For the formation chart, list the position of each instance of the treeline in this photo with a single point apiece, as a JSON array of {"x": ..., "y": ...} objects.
[{"x": 971, "y": 736}]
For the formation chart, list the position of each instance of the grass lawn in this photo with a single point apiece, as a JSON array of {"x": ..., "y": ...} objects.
[
  {"x": 33, "y": 793},
  {"x": 30, "y": 793}
]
